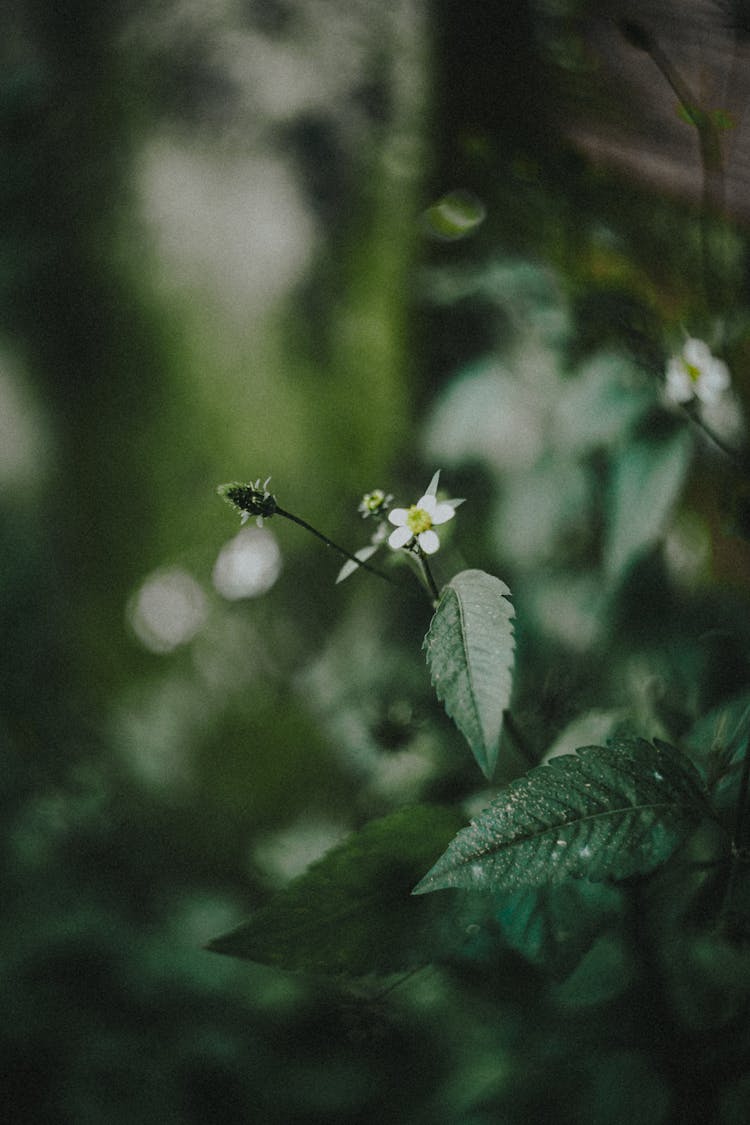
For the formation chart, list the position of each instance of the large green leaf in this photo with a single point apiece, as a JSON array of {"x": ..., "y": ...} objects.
[
  {"x": 352, "y": 913},
  {"x": 470, "y": 649},
  {"x": 600, "y": 813}
]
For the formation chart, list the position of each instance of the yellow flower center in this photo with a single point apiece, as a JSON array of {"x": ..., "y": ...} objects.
[
  {"x": 693, "y": 371},
  {"x": 418, "y": 520}
]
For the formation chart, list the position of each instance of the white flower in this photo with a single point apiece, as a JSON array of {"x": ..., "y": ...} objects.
[
  {"x": 696, "y": 373},
  {"x": 374, "y": 503},
  {"x": 414, "y": 525}
]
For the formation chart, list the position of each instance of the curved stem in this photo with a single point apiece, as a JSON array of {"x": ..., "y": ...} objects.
[{"x": 330, "y": 543}]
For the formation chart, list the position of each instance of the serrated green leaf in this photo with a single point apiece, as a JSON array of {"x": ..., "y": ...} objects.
[
  {"x": 351, "y": 913},
  {"x": 599, "y": 814},
  {"x": 470, "y": 648},
  {"x": 647, "y": 478}
]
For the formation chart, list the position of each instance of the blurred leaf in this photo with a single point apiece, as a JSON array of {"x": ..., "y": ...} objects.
[
  {"x": 351, "y": 913},
  {"x": 470, "y": 649},
  {"x": 723, "y": 119},
  {"x": 710, "y": 981},
  {"x": 692, "y": 115},
  {"x": 599, "y": 814},
  {"x": 454, "y": 216},
  {"x": 720, "y": 739},
  {"x": 717, "y": 118},
  {"x": 555, "y": 925},
  {"x": 545, "y": 513},
  {"x": 489, "y": 415},
  {"x": 602, "y": 974},
  {"x": 647, "y": 478},
  {"x": 601, "y": 403}
]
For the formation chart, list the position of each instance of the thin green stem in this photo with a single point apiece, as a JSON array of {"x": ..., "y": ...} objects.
[
  {"x": 432, "y": 585},
  {"x": 330, "y": 543}
]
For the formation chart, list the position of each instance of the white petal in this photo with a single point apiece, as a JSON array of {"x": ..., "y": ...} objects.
[
  {"x": 679, "y": 387},
  {"x": 429, "y": 542},
  {"x": 443, "y": 513},
  {"x": 363, "y": 554},
  {"x": 697, "y": 353},
  {"x": 399, "y": 538},
  {"x": 719, "y": 374},
  {"x": 427, "y": 502},
  {"x": 714, "y": 380},
  {"x": 724, "y": 416},
  {"x": 455, "y": 503},
  {"x": 398, "y": 516},
  {"x": 432, "y": 487}
]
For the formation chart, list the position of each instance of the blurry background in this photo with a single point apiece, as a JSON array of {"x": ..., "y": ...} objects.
[{"x": 216, "y": 263}]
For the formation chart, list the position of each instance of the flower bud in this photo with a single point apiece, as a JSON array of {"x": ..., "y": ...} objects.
[{"x": 250, "y": 499}]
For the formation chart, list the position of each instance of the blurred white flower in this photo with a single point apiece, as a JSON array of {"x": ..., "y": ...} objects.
[
  {"x": 375, "y": 503},
  {"x": 415, "y": 524},
  {"x": 695, "y": 373}
]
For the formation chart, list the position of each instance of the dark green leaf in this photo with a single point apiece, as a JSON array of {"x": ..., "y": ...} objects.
[
  {"x": 351, "y": 913},
  {"x": 719, "y": 740},
  {"x": 600, "y": 814},
  {"x": 470, "y": 649},
  {"x": 601, "y": 975},
  {"x": 555, "y": 925}
]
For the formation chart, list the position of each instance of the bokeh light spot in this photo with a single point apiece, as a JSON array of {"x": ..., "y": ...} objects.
[
  {"x": 248, "y": 565},
  {"x": 168, "y": 610}
]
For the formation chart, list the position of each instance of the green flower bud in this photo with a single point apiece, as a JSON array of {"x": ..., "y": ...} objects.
[{"x": 249, "y": 499}]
